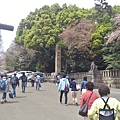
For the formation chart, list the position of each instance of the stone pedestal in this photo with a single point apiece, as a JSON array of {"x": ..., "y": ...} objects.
[
  {"x": 95, "y": 76},
  {"x": 58, "y": 59}
]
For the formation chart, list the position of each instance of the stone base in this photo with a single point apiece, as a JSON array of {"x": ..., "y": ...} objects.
[{"x": 96, "y": 85}]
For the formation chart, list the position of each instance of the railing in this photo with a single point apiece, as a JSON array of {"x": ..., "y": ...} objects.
[{"x": 110, "y": 77}]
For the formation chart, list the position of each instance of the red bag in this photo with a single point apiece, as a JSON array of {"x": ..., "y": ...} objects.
[{"x": 66, "y": 88}]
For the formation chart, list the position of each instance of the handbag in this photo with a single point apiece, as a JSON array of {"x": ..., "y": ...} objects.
[
  {"x": 66, "y": 88},
  {"x": 84, "y": 109},
  {"x": 36, "y": 80},
  {"x": 77, "y": 86}
]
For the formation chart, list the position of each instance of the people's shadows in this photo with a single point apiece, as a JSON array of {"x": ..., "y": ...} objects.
[
  {"x": 71, "y": 104},
  {"x": 21, "y": 96},
  {"x": 11, "y": 102},
  {"x": 41, "y": 90},
  {"x": 28, "y": 92}
]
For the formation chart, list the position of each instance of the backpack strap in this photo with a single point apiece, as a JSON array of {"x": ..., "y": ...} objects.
[{"x": 106, "y": 103}]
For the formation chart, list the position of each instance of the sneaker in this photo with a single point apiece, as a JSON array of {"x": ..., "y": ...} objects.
[
  {"x": 73, "y": 103},
  {"x": 5, "y": 100},
  {"x": 76, "y": 104},
  {"x": 60, "y": 102},
  {"x": 65, "y": 104},
  {"x": 2, "y": 102}
]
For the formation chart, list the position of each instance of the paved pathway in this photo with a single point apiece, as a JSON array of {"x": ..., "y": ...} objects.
[{"x": 41, "y": 105}]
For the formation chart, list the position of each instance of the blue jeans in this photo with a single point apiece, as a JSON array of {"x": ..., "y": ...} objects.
[
  {"x": 23, "y": 86},
  {"x": 14, "y": 90},
  {"x": 4, "y": 96},
  {"x": 38, "y": 86}
]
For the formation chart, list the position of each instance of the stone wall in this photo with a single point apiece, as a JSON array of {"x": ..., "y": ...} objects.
[{"x": 109, "y": 77}]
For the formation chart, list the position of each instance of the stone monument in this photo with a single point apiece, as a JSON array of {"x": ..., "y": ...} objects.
[
  {"x": 58, "y": 59},
  {"x": 95, "y": 76}
]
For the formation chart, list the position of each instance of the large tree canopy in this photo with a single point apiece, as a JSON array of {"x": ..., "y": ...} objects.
[
  {"x": 84, "y": 33},
  {"x": 77, "y": 38},
  {"x": 44, "y": 26},
  {"x": 78, "y": 34}
]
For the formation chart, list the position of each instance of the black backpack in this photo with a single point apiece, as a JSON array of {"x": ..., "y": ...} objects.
[
  {"x": 24, "y": 79},
  {"x": 13, "y": 80},
  {"x": 106, "y": 114}
]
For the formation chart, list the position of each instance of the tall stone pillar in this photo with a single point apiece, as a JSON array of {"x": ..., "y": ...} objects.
[{"x": 58, "y": 59}]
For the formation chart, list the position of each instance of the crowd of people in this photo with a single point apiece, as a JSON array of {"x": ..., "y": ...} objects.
[
  {"x": 8, "y": 85},
  {"x": 66, "y": 85},
  {"x": 96, "y": 101}
]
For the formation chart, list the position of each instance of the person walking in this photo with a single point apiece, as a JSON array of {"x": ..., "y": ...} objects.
[
  {"x": 89, "y": 92},
  {"x": 23, "y": 78},
  {"x": 57, "y": 79},
  {"x": 14, "y": 81},
  {"x": 33, "y": 78},
  {"x": 83, "y": 85},
  {"x": 38, "y": 82},
  {"x": 104, "y": 92},
  {"x": 4, "y": 94},
  {"x": 74, "y": 90},
  {"x": 62, "y": 85}
]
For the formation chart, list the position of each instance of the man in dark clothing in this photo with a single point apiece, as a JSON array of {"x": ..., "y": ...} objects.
[
  {"x": 14, "y": 82},
  {"x": 24, "y": 82}
]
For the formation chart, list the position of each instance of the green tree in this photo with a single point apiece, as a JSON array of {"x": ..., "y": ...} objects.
[
  {"x": 76, "y": 38},
  {"x": 112, "y": 49},
  {"x": 103, "y": 9},
  {"x": 44, "y": 26}
]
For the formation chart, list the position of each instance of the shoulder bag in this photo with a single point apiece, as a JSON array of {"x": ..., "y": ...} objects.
[
  {"x": 84, "y": 109},
  {"x": 66, "y": 89}
]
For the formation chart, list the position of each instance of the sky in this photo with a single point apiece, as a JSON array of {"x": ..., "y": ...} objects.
[{"x": 12, "y": 11}]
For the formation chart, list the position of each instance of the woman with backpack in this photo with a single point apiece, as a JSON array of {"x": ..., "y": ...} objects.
[
  {"x": 5, "y": 89},
  {"x": 99, "y": 103},
  {"x": 14, "y": 82},
  {"x": 23, "y": 78}
]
